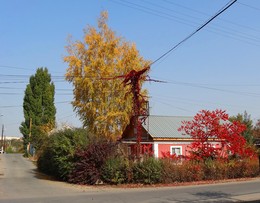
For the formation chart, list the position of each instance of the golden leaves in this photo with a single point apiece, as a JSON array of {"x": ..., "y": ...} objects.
[{"x": 102, "y": 103}]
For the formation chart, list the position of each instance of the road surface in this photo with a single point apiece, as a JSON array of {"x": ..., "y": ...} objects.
[{"x": 21, "y": 183}]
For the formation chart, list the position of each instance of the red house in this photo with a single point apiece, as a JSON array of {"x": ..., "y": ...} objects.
[{"x": 160, "y": 135}]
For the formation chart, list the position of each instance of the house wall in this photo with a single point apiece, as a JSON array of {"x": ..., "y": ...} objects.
[
  {"x": 166, "y": 147},
  {"x": 160, "y": 148}
]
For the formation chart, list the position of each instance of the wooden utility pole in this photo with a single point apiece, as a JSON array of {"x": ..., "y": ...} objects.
[
  {"x": 30, "y": 134},
  {"x": 2, "y": 138},
  {"x": 134, "y": 79}
]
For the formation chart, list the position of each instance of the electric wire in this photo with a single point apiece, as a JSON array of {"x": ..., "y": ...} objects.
[
  {"x": 156, "y": 12},
  {"x": 220, "y": 18},
  {"x": 151, "y": 64},
  {"x": 176, "y": 107},
  {"x": 218, "y": 27},
  {"x": 193, "y": 101},
  {"x": 225, "y": 31},
  {"x": 197, "y": 30},
  {"x": 249, "y": 6}
]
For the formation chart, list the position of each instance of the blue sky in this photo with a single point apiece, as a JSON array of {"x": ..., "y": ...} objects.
[{"x": 218, "y": 68}]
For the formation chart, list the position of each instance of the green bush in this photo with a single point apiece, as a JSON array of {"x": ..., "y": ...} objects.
[
  {"x": 234, "y": 169},
  {"x": 148, "y": 172},
  {"x": 241, "y": 168},
  {"x": 9, "y": 150},
  {"x": 57, "y": 156},
  {"x": 185, "y": 171},
  {"x": 170, "y": 171},
  {"x": 188, "y": 171},
  {"x": 215, "y": 169},
  {"x": 116, "y": 170},
  {"x": 191, "y": 171},
  {"x": 252, "y": 168}
]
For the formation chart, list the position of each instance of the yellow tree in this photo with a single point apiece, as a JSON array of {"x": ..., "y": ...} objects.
[{"x": 101, "y": 100}]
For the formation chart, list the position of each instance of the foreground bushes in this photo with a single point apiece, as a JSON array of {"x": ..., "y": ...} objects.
[
  {"x": 57, "y": 156},
  {"x": 70, "y": 155},
  {"x": 89, "y": 162},
  {"x": 117, "y": 170},
  {"x": 210, "y": 170},
  {"x": 152, "y": 171},
  {"x": 148, "y": 172}
]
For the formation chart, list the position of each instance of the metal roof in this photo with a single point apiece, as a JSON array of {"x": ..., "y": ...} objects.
[{"x": 165, "y": 126}]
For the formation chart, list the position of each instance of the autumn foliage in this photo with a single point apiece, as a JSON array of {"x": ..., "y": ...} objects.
[
  {"x": 215, "y": 136},
  {"x": 89, "y": 162},
  {"x": 101, "y": 100}
]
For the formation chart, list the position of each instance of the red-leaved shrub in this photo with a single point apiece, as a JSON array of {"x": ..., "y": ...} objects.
[{"x": 89, "y": 162}]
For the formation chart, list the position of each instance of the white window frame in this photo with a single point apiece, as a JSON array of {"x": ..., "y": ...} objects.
[{"x": 179, "y": 147}]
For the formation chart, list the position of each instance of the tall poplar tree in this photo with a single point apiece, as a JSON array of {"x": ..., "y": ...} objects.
[
  {"x": 38, "y": 107},
  {"x": 101, "y": 100}
]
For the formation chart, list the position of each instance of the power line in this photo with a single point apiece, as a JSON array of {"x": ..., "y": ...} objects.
[
  {"x": 14, "y": 81},
  {"x": 216, "y": 29},
  {"x": 217, "y": 89},
  {"x": 192, "y": 101},
  {"x": 16, "y": 93},
  {"x": 197, "y": 30},
  {"x": 165, "y": 103},
  {"x": 20, "y": 88},
  {"x": 171, "y": 10},
  {"x": 15, "y": 106},
  {"x": 21, "y": 68},
  {"x": 14, "y": 67},
  {"x": 224, "y": 28},
  {"x": 155, "y": 12},
  {"x": 208, "y": 84},
  {"x": 10, "y": 106},
  {"x": 221, "y": 19},
  {"x": 249, "y": 6}
]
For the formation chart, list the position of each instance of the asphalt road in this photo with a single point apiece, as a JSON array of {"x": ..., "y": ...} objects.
[{"x": 21, "y": 183}]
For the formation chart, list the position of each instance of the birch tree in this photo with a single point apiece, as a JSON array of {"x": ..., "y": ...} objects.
[{"x": 95, "y": 67}]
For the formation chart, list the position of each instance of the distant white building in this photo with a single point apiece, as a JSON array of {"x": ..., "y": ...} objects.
[{"x": 12, "y": 138}]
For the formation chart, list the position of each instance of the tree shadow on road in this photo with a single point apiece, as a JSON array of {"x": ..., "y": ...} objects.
[
  {"x": 217, "y": 196},
  {"x": 37, "y": 174}
]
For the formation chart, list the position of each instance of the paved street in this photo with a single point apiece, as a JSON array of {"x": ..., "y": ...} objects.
[{"x": 20, "y": 182}]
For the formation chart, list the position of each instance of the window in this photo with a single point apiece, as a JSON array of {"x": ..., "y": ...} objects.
[{"x": 176, "y": 150}]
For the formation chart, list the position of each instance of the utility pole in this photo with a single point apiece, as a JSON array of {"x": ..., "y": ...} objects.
[
  {"x": 30, "y": 134},
  {"x": 2, "y": 138},
  {"x": 4, "y": 145},
  {"x": 140, "y": 105}
]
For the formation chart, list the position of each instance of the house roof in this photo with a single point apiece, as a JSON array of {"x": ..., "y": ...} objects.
[{"x": 165, "y": 126}]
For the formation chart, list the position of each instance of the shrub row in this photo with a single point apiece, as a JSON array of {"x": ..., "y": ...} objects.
[
  {"x": 210, "y": 170},
  {"x": 70, "y": 155},
  {"x": 152, "y": 171}
]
